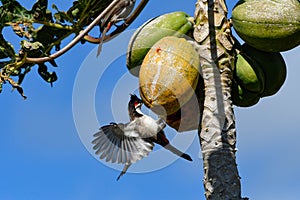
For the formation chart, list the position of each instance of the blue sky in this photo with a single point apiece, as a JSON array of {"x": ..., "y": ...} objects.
[{"x": 44, "y": 148}]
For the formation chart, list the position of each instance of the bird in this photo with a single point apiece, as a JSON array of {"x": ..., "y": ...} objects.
[
  {"x": 118, "y": 13},
  {"x": 130, "y": 142}
]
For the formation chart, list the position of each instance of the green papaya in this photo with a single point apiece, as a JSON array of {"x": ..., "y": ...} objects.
[
  {"x": 273, "y": 66},
  {"x": 243, "y": 97},
  {"x": 249, "y": 74},
  {"x": 268, "y": 25},
  {"x": 177, "y": 24}
]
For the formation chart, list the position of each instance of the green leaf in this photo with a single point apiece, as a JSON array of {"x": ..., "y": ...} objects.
[
  {"x": 48, "y": 36},
  {"x": 6, "y": 49},
  {"x": 62, "y": 16},
  {"x": 49, "y": 77},
  {"x": 13, "y": 12},
  {"x": 39, "y": 11},
  {"x": 31, "y": 46},
  {"x": 33, "y": 49},
  {"x": 53, "y": 63},
  {"x": 15, "y": 15},
  {"x": 25, "y": 70},
  {"x": 53, "y": 29}
]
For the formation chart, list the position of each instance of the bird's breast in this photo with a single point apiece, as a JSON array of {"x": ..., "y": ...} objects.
[{"x": 148, "y": 127}]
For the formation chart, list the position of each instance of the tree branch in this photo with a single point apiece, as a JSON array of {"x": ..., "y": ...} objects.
[
  {"x": 76, "y": 39},
  {"x": 84, "y": 34}
]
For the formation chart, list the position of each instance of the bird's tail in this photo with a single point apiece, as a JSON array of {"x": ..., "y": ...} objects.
[
  {"x": 163, "y": 141},
  {"x": 178, "y": 152},
  {"x": 123, "y": 171}
]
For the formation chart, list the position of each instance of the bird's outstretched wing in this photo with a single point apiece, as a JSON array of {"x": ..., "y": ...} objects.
[{"x": 118, "y": 146}]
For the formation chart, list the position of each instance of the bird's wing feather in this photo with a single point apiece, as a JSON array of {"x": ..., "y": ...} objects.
[
  {"x": 118, "y": 144},
  {"x": 120, "y": 11}
]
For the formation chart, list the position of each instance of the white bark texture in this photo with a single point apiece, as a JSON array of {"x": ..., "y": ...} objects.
[{"x": 217, "y": 131}]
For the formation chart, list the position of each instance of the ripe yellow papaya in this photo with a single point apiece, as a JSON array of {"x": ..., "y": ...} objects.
[
  {"x": 177, "y": 24},
  {"x": 187, "y": 118},
  {"x": 169, "y": 74}
]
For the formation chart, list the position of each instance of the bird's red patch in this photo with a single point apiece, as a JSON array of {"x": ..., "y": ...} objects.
[
  {"x": 136, "y": 104},
  {"x": 109, "y": 26}
]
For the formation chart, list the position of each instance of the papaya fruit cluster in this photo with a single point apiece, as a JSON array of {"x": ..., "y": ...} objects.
[
  {"x": 257, "y": 74},
  {"x": 267, "y": 27},
  {"x": 168, "y": 66}
]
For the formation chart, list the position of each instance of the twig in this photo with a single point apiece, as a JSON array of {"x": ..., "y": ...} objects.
[
  {"x": 76, "y": 39},
  {"x": 84, "y": 34}
]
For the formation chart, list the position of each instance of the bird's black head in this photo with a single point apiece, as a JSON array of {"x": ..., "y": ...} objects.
[
  {"x": 135, "y": 102},
  {"x": 134, "y": 107}
]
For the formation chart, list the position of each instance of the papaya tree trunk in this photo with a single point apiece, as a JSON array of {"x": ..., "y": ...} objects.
[{"x": 217, "y": 131}]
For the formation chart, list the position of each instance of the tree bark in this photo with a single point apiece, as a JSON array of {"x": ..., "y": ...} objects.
[{"x": 217, "y": 131}]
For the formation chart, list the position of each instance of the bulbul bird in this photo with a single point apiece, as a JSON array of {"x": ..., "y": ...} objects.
[
  {"x": 130, "y": 142},
  {"x": 118, "y": 13}
]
